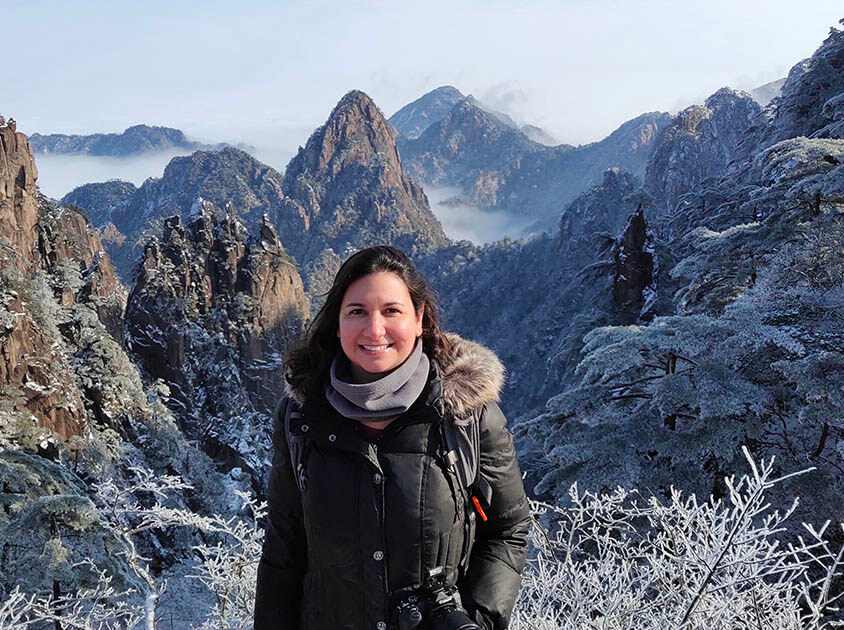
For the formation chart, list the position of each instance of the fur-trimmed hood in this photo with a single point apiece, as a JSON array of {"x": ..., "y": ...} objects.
[{"x": 472, "y": 379}]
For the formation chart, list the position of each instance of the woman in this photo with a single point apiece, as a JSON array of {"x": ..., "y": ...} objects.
[{"x": 357, "y": 544}]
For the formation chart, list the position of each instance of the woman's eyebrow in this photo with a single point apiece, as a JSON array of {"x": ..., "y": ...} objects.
[{"x": 348, "y": 304}]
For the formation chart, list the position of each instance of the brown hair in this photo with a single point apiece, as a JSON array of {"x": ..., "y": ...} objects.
[{"x": 308, "y": 362}]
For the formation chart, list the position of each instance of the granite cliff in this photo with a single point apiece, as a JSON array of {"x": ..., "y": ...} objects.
[
  {"x": 210, "y": 315},
  {"x": 701, "y": 142},
  {"x": 57, "y": 285}
]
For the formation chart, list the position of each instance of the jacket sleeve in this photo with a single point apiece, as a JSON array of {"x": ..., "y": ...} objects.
[
  {"x": 281, "y": 570},
  {"x": 493, "y": 578}
]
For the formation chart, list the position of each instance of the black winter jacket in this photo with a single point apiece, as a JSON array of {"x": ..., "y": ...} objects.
[{"x": 374, "y": 518}]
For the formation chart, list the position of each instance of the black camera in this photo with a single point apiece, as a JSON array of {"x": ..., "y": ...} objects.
[{"x": 437, "y": 607}]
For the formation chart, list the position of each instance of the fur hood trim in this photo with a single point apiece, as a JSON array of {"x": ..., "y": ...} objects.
[{"x": 473, "y": 379}]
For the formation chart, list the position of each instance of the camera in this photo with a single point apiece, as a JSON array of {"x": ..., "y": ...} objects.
[{"x": 437, "y": 607}]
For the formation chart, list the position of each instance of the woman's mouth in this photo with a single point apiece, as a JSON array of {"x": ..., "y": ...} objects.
[{"x": 376, "y": 349}]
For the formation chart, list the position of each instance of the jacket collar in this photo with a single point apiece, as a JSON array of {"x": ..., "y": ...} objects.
[{"x": 473, "y": 378}]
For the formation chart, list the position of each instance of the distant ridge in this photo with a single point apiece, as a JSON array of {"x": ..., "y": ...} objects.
[
  {"x": 414, "y": 118},
  {"x": 135, "y": 140}
]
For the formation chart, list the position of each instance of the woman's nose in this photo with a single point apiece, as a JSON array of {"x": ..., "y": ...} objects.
[{"x": 375, "y": 325}]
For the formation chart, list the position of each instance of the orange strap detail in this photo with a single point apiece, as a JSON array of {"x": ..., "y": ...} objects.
[{"x": 479, "y": 509}]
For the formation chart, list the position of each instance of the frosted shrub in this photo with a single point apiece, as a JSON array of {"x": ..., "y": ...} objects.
[
  {"x": 619, "y": 561},
  {"x": 229, "y": 568}
]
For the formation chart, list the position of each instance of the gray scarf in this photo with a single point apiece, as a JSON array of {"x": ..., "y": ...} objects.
[{"x": 387, "y": 397}]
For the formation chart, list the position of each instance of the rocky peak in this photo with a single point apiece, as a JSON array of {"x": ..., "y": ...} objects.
[
  {"x": 355, "y": 133},
  {"x": 212, "y": 274},
  {"x": 701, "y": 142},
  {"x": 211, "y": 314},
  {"x": 469, "y": 141},
  {"x": 414, "y": 118},
  {"x": 346, "y": 188},
  {"x": 809, "y": 86}
]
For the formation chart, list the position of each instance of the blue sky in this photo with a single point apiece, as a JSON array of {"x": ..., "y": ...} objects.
[{"x": 269, "y": 72}]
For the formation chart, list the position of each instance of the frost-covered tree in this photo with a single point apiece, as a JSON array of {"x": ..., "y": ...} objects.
[{"x": 623, "y": 560}]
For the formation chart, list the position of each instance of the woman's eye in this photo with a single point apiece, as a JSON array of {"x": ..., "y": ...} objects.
[{"x": 356, "y": 311}]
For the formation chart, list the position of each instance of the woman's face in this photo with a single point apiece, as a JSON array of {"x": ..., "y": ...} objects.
[{"x": 378, "y": 325}]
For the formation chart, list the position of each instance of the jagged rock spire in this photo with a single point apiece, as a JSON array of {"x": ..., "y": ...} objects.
[
  {"x": 634, "y": 264},
  {"x": 346, "y": 188}
]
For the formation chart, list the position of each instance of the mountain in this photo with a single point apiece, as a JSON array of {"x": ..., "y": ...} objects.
[
  {"x": 344, "y": 190},
  {"x": 467, "y": 148},
  {"x": 99, "y": 200},
  {"x": 701, "y": 142},
  {"x": 803, "y": 108},
  {"x": 414, "y": 118},
  {"x": 220, "y": 177},
  {"x": 133, "y": 141},
  {"x": 347, "y": 189},
  {"x": 498, "y": 167}
]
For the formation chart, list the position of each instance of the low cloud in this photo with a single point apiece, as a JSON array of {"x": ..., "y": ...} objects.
[
  {"x": 462, "y": 221},
  {"x": 59, "y": 174}
]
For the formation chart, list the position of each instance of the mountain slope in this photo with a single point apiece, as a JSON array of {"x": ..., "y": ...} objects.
[{"x": 414, "y": 118}]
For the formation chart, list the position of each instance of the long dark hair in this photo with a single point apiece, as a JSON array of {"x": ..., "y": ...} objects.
[{"x": 308, "y": 362}]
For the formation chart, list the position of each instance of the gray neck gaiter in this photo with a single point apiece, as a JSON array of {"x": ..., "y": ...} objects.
[{"x": 387, "y": 397}]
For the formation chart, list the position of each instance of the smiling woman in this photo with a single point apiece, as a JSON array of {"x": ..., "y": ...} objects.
[{"x": 376, "y": 528}]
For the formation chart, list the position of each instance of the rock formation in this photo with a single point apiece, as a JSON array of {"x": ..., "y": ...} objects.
[
  {"x": 51, "y": 263},
  {"x": 701, "y": 142},
  {"x": 634, "y": 265},
  {"x": 346, "y": 189},
  {"x": 211, "y": 314},
  {"x": 800, "y": 111},
  {"x": 465, "y": 146},
  {"x": 18, "y": 203}
]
